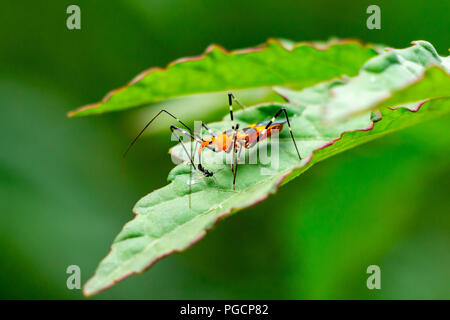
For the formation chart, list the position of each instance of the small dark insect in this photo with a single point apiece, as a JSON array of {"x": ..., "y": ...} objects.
[{"x": 229, "y": 140}]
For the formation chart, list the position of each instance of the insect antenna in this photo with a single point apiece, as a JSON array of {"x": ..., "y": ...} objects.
[
  {"x": 236, "y": 100},
  {"x": 142, "y": 131}
]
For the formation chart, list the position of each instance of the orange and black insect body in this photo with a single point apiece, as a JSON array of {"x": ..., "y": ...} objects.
[
  {"x": 247, "y": 137},
  {"x": 231, "y": 140},
  {"x": 235, "y": 138}
]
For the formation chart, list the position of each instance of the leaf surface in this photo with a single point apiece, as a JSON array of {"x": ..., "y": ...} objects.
[{"x": 415, "y": 73}]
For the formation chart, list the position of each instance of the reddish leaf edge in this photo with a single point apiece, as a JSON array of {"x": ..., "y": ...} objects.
[{"x": 210, "y": 48}]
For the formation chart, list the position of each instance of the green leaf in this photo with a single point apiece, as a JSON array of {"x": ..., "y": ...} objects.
[
  {"x": 411, "y": 74},
  {"x": 164, "y": 223},
  {"x": 176, "y": 216},
  {"x": 275, "y": 63}
]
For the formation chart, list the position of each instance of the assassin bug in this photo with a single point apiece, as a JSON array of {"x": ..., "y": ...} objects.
[{"x": 231, "y": 140}]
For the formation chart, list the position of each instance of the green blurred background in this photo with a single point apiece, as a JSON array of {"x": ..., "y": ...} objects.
[{"x": 63, "y": 200}]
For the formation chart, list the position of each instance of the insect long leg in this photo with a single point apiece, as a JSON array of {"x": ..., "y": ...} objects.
[
  {"x": 236, "y": 167},
  {"x": 205, "y": 172},
  {"x": 289, "y": 126},
  {"x": 190, "y": 156},
  {"x": 233, "y": 153},
  {"x": 210, "y": 147},
  {"x": 174, "y": 129},
  {"x": 190, "y": 167},
  {"x": 190, "y": 176},
  {"x": 230, "y": 103},
  {"x": 231, "y": 97},
  {"x": 193, "y": 138},
  {"x": 147, "y": 125}
]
